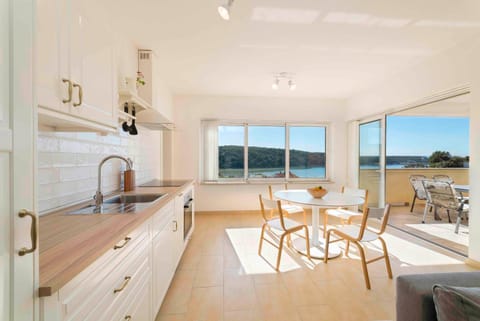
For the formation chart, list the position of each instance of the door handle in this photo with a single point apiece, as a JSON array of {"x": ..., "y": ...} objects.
[
  {"x": 33, "y": 232},
  {"x": 70, "y": 90},
  {"x": 175, "y": 226},
  {"x": 80, "y": 95}
]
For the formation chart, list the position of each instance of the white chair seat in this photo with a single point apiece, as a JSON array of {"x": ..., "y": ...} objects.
[
  {"x": 353, "y": 230},
  {"x": 342, "y": 213},
  {"x": 291, "y": 209},
  {"x": 275, "y": 223}
]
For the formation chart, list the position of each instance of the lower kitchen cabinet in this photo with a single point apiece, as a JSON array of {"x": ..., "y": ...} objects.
[{"x": 130, "y": 281}]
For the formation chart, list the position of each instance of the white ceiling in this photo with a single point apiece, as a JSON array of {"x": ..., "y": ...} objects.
[{"x": 334, "y": 48}]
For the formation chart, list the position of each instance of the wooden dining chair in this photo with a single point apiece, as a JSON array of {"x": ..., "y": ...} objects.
[
  {"x": 287, "y": 207},
  {"x": 346, "y": 215},
  {"x": 358, "y": 234},
  {"x": 279, "y": 223}
]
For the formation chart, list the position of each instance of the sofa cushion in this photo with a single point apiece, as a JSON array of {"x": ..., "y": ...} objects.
[{"x": 456, "y": 303}]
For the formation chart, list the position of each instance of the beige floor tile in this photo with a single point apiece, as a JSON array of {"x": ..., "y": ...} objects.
[
  {"x": 221, "y": 277},
  {"x": 179, "y": 293},
  {"x": 205, "y": 304}
]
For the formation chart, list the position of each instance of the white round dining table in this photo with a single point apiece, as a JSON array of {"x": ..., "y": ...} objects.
[{"x": 330, "y": 200}]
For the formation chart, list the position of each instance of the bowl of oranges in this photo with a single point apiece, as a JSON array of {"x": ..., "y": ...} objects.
[{"x": 317, "y": 191}]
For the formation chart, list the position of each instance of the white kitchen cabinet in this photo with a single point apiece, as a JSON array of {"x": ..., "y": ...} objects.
[
  {"x": 163, "y": 254},
  {"x": 76, "y": 77},
  {"x": 142, "y": 267}
]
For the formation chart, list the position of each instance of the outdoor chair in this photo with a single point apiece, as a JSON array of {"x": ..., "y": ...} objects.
[
  {"x": 281, "y": 224},
  {"x": 418, "y": 189},
  {"x": 443, "y": 195},
  {"x": 443, "y": 178},
  {"x": 359, "y": 234}
]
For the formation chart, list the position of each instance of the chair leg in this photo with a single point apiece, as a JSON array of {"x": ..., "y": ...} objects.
[
  {"x": 325, "y": 222},
  {"x": 413, "y": 203},
  {"x": 425, "y": 210},
  {"x": 347, "y": 248},
  {"x": 280, "y": 248},
  {"x": 364, "y": 265},
  {"x": 459, "y": 219},
  {"x": 261, "y": 239},
  {"x": 448, "y": 214},
  {"x": 327, "y": 243},
  {"x": 304, "y": 217},
  {"x": 307, "y": 241},
  {"x": 387, "y": 258}
]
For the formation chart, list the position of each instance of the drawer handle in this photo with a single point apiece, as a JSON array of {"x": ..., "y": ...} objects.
[
  {"x": 175, "y": 226},
  {"x": 128, "y": 318},
  {"x": 125, "y": 241},
  {"x": 125, "y": 283}
]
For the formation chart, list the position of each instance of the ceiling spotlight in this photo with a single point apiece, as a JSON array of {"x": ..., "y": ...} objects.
[
  {"x": 224, "y": 10},
  {"x": 292, "y": 85},
  {"x": 276, "y": 84}
]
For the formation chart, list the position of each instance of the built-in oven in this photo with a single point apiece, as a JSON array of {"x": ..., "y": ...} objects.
[{"x": 187, "y": 214}]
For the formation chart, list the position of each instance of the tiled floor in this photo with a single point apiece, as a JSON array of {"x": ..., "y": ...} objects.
[{"x": 221, "y": 277}]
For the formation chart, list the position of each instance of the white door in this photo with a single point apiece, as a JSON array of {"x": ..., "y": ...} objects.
[
  {"x": 371, "y": 171},
  {"x": 92, "y": 64},
  {"x": 17, "y": 162}
]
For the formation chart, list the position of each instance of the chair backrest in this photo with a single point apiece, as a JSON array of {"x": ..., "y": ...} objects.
[
  {"x": 443, "y": 178},
  {"x": 357, "y": 192},
  {"x": 385, "y": 217},
  {"x": 363, "y": 225},
  {"x": 417, "y": 185},
  {"x": 270, "y": 190},
  {"x": 272, "y": 206},
  {"x": 441, "y": 194}
]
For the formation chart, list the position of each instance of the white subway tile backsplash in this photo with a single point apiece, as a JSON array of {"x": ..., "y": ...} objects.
[{"x": 68, "y": 164}]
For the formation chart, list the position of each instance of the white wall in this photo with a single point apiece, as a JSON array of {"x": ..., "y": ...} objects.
[
  {"x": 454, "y": 68},
  {"x": 190, "y": 110}
]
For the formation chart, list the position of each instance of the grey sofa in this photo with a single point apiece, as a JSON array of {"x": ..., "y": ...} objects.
[{"x": 414, "y": 297}]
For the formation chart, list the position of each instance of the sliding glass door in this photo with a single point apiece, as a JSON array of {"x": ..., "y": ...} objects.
[{"x": 371, "y": 174}]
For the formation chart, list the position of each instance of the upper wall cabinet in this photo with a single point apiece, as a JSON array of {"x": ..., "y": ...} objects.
[{"x": 76, "y": 80}]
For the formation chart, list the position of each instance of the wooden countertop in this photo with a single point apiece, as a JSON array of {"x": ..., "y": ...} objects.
[{"x": 70, "y": 243}]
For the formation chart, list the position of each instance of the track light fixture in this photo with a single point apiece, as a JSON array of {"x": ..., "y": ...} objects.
[
  {"x": 283, "y": 76},
  {"x": 224, "y": 10}
]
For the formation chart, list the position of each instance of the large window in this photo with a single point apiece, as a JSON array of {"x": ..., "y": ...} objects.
[{"x": 240, "y": 152}]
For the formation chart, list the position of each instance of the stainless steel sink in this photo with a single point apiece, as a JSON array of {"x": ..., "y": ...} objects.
[
  {"x": 128, "y": 199},
  {"x": 121, "y": 204}
]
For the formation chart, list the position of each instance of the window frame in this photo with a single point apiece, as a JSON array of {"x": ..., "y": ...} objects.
[{"x": 287, "y": 125}]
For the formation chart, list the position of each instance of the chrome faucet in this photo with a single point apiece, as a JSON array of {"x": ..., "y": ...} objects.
[{"x": 98, "y": 195}]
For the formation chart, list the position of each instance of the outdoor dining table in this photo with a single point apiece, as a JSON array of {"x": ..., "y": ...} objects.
[
  {"x": 462, "y": 188},
  {"x": 330, "y": 200}
]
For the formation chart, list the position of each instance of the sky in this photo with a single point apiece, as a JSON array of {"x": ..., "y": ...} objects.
[
  {"x": 421, "y": 136},
  {"x": 310, "y": 139}
]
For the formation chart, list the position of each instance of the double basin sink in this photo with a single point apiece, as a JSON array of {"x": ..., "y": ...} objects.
[{"x": 121, "y": 204}]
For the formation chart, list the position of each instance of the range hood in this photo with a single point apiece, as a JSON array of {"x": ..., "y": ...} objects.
[{"x": 154, "y": 120}]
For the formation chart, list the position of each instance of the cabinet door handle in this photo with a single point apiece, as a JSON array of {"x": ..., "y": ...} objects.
[
  {"x": 128, "y": 318},
  {"x": 70, "y": 91},
  {"x": 125, "y": 241},
  {"x": 80, "y": 95},
  {"x": 33, "y": 232},
  {"x": 175, "y": 226},
  {"x": 125, "y": 283}
]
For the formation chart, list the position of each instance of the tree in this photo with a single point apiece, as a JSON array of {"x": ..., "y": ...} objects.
[
  {"x": 438, "y": 157},
  {"x": 442, "y": 159}
]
